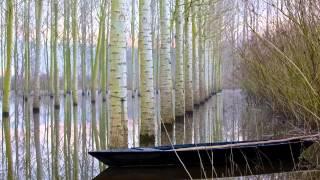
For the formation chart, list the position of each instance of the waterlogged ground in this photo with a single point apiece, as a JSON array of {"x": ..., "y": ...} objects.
[{"x": 227, "y": 116}]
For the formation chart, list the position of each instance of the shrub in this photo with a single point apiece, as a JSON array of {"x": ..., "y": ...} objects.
[{"x": 283, "y": 65}]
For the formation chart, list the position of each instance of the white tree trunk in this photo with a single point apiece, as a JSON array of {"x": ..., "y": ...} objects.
[
  {"x": 201, "y": 56},
  {"x": 147, "y": 106},
  {"x": 83, "y": 24},
  {"x": 188, "y": 58},
  {"x": 179, "y": 78},
  {"x": 195, "y": 60},
  {"x": 188, "y": 72},
  {"x": 36, "y": 101},
  {"x": 118, "y": 75},
  {"x": 179, "y": 72},
  {"x": 166, "y": 92},
  {"x": 74, "y": 53}
]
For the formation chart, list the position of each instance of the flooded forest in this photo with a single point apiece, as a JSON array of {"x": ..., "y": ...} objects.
[{"x": 88, "y": 75}]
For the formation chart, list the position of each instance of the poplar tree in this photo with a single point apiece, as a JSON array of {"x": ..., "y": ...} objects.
[
  {"x": 118, "y": 134},
  {"x": 147, "y": 105},
  {"x": 6, "y": 87}
]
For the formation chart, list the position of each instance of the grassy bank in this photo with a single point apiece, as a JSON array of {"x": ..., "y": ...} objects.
[{"x": 282, "y": 65}]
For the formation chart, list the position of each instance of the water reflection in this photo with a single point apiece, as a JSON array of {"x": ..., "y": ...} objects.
[
  {"x": 68, "y": 131},
  {"x": 206, "y": 172}
]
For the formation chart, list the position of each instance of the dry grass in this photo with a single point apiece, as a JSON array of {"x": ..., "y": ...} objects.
[{"x": 283, "y": 66}]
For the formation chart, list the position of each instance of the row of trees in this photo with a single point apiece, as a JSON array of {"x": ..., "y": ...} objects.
[{"x": 177, "y": 67}]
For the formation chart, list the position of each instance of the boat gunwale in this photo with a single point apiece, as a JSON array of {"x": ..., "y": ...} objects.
[{"x": 195, "y": 147}]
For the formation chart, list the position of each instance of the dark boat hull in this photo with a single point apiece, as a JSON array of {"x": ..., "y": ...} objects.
[{"x": 259, "y": 155}]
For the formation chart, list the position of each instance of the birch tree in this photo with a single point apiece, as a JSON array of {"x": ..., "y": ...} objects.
[
  {"x": 54, "y": 37},
  {"x": 74, "y": 88},
  {"x": 118, "y": 136},
  {"x": 147, "y": 108},
  {"x": 195, "y": 68},
  {"x": 66, "y": 48},
  {"x": 26, "y": 48},
  {"x": 74, "y": 53},
  {"x": 195, "y": 60},
  {"x": 103, "y": 67},
  {"x": 67, "y": 89},
  {"x": 201, "y": 55},
  {"x": 166, "y": 93},
  {"x": 98, "y": 59},
  {"x": 179, "y": 72},
  {"x": 83, "y": 24},
  {"x": 6, "y": 88},
  {"x": 179, "y": 75},
  {"x": 26, "y": 88},
  {"x": 188, "y": 72},
  {"x": 36, "y": 100},
  {"x": 187, "y": 52}
]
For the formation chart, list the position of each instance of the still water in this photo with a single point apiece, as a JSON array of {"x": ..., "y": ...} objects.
[{"x": 227, "y": 116}]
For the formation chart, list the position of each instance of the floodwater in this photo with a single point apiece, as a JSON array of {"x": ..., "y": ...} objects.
[{"x": 230, "y": 115}]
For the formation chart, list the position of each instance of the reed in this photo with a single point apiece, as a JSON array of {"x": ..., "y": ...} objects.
[{"x": 282, "y": 65}]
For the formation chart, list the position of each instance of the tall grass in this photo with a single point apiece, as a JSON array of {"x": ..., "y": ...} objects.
[{"x": 282, "y": 66}]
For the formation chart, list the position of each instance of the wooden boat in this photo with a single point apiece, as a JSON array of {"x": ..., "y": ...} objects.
[{"x": 245, "y": 154}]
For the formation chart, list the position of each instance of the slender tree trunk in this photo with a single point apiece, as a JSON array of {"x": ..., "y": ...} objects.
[
  {"x": 75, "y": 88},
  {"x": 56, "y": 104},
  {"x": 95, "y": 67},
  {"x": 66, "y": 53},
  {"x": 54, "y": 55},
  {"x": 16, "y": 105},
  {"x": 74, "y": 53},
  {"x": 36, "y": 100},
  {"x": 103, "y": 59},
  {"x": 107, "y": 70},
  {"x": 202, "y": 82},
  {"x": 68, "y": 84},
  {"x": 201, "y": 55},
  {"x": 6, "y": 89},
  {"x": 147, "y": 131},
  {"x": 188, "y": 71},
  {"x": 2, "y": 49},
  {"x": 179, "y": 73},
  {"x": 131, "y": 85},
  {"x": 103, "y": 50},
  {"x": 188, "y": 58},
  {"x": 195, "y": 68},
  {"x": 157, "y": 76},
  {"x": 195, "y": 58},
  {"x": 118, "y": 76},
  {"x": 26, "y": 49},
  {"x": 179, "y": 82},
  {"x": 217, "y": 59},
  {"x": 83, "y": 21},
  {"x": 166, "y": 93},
  {"x": 38, "y": 12}
]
